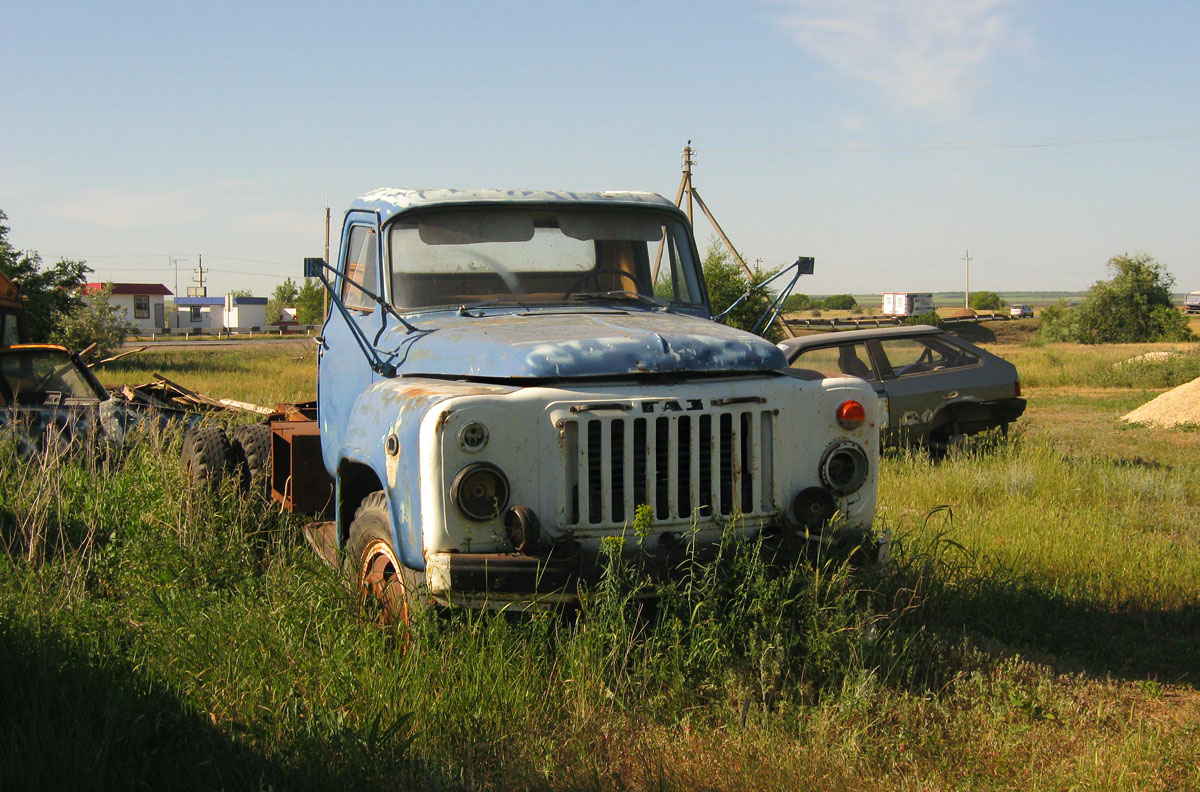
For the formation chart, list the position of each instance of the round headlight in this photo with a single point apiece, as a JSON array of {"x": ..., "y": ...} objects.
[
  {"x": 844, "y": 467},
  {"x": 480, "y": 491}
]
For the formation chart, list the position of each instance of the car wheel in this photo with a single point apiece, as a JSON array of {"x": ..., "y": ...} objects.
[{"x": 375, "y": 567}]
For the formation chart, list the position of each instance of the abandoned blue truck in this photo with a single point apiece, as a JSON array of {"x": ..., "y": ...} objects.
[{"x": 506, "y": 377}]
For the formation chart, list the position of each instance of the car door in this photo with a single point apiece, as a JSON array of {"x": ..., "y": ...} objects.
[{"x": 920, "y": 376}]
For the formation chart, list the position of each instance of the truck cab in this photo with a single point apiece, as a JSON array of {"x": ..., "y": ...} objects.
[{"x": 510, "y": 378}]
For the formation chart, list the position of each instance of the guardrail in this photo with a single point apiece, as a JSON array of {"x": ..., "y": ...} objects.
[{"x": 857, "y": 322}]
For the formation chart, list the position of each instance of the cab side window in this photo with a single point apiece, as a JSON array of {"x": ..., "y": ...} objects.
[{"x": 360, "y": 269}]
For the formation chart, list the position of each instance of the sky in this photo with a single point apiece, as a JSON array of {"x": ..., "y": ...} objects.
[{"x": 885, "y": 139}]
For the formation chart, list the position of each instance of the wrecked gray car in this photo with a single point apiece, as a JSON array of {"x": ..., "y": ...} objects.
[
  {"x": 935, "y": 388},
  {"x": 51, "y": 400}
]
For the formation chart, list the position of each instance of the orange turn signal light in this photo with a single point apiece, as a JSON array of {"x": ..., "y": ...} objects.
[{"x": 851, "y": 414}]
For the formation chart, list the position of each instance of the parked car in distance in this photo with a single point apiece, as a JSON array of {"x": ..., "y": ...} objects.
[
  {"x": 1019, "y": 311},
  {"x": 935, "y": 388}
]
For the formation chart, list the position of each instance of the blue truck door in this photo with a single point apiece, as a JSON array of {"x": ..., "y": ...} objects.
[{"x": 344, "y": 371}]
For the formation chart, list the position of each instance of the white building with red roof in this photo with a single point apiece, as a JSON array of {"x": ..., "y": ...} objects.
[{"x": 143, "y": 303}]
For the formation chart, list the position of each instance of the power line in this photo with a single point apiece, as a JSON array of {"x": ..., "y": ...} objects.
[{"x": 963, "y": 145}]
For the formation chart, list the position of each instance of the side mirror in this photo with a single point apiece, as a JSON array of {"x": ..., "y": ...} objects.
[
  {"x": 804, "y": 265},
  {"x": 314, "y": 267}
]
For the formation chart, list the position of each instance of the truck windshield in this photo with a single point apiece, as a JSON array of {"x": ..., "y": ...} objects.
[{"x": 540, "y": 255}]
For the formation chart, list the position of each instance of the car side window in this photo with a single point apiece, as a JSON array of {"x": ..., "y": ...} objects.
[
  {"x": 845, "y": 360},
  {"x": 921, "y": 355},
  {"x": 360, "y": 269}
]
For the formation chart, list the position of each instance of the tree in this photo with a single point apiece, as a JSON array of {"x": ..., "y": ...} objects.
[
  {"x": 1134, "y": 306},
  {"x": 986, "y": 301},
  {"x": 727, "y": 282},
  {"x": 51, "y": 293},
  {"x": 310, "y": 302},
  {"x": 284, "y": 296},
  {"x": 797, "y": 302},
  {"x": 839, "y": 302},
  {"x": 241, "y": 293},
  {"x": 98, "y": 322}
]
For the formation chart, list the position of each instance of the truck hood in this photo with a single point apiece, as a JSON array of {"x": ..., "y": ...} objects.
[{"x": 576, "y": 343}]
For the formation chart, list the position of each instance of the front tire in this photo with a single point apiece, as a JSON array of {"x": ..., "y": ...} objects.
[{"x": 375, "y": 566}]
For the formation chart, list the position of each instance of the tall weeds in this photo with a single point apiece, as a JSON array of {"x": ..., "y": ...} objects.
[{"x": 152, "y": 636}]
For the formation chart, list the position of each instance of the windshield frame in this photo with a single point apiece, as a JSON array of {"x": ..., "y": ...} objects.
[{"x": 630, "y": 290}]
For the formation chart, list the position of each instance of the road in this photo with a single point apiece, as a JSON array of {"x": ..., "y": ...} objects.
[{"x": 209, "y": 343}]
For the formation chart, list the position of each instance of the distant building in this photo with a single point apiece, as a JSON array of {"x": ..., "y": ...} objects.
[
  {"x": 199, "y": 313},
  {"x": 143, "y": 303},
  {"x": 245, "y": 313}
]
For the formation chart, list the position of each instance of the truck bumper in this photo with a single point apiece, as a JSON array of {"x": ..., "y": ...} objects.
[{"x": 513, "y": 580}]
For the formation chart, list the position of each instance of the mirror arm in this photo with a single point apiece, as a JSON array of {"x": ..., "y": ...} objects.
[{"x": 315, "y": 268}]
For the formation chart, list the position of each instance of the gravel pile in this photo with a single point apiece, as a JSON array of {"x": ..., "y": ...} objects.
[
  {"x": 1178, "y": 406},
  {"x": 1164, "y": 354}
]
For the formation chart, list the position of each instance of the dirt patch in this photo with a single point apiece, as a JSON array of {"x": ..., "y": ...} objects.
[{"x": 1175, "y": 407}]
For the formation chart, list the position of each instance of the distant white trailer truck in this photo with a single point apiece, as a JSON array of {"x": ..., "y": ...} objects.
[
  {"x": 907, "y": 303},
  {"x": 1191, "y": 303}
]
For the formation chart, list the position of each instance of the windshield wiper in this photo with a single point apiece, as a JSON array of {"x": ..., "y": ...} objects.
[
  {"x": 466, "y": 308},
  {"x": 618, "y": 294}
]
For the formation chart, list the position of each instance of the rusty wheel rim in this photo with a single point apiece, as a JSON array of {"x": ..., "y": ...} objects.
[{"x": 380, "y": 577}]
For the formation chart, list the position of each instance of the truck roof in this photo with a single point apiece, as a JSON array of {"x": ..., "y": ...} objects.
[{"x": 393, "y": 201}]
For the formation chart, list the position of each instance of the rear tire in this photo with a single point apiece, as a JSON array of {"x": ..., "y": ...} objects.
[
  {"x": 208, "y": 456},
  {"x": 375, "y": 567},
  {"x": 252, "y": 454}
]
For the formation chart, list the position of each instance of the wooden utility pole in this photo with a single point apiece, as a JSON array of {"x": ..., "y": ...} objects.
[
  {"x": 325, "y": 292},
  {"x": 967, "y": 283},
  {"x": 688, "y": 188},
  {"x": 175, "y": 263}
]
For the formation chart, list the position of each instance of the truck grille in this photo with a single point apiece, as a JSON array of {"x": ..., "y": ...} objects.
[{"x": 709, "y": 464}]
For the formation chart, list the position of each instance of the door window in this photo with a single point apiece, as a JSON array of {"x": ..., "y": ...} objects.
[
  {"x": 845, "y": 360},
  {"x": 360, "y": 270}
]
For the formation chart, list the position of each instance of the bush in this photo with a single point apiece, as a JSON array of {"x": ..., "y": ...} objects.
[
  {"x": 986, "y": 301},
  {"x": 927, "y": 318},
  {"x": 1134, "y": 306},
  {"x": 839, "y": 302}
]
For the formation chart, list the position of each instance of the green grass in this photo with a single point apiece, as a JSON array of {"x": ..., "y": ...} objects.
[
  {"x": 266, "y": 373},
  {"x": 1109, "y": 365},
  {"x": 1039, "y": 633}
]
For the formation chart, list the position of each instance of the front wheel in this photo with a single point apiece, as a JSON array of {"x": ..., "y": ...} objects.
[{"x": 375, "y": 566}]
